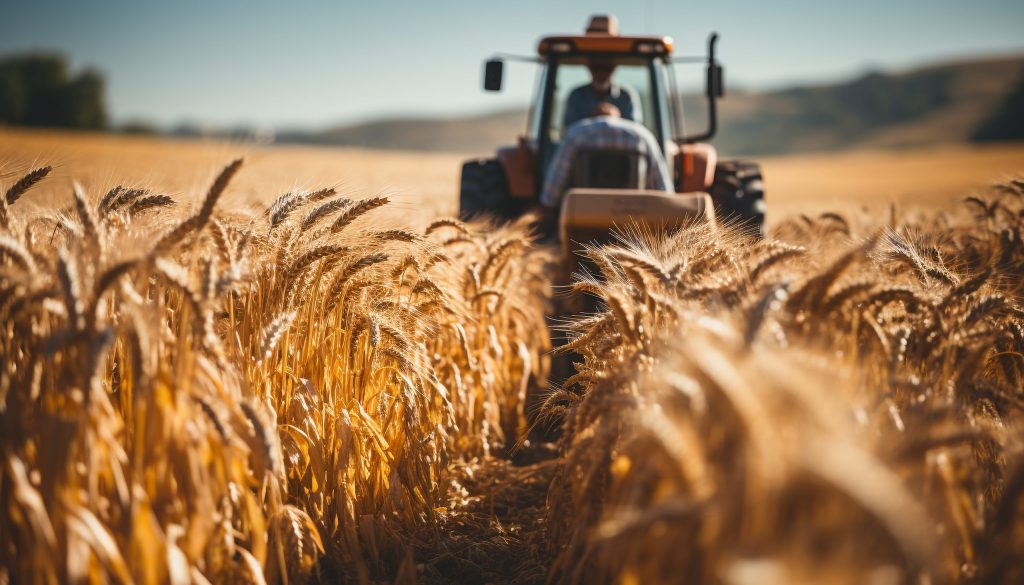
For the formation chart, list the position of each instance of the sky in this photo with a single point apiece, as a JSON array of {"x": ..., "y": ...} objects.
[{"x": 305, "y": 65}]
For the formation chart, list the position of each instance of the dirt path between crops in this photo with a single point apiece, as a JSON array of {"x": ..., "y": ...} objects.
[{"x": 498, "y": 535}]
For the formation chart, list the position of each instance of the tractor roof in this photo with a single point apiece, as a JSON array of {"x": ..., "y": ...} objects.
[{"x": 602, "y": 36}]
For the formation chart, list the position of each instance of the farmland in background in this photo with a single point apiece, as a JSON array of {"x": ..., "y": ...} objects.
[{"x": 426, "y": 184}]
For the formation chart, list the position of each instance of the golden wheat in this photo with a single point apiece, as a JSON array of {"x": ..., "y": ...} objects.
[
  {"x": 254, "y": 397},
  {"x": 199, "y": 412},
  {"x": 853, "y": 417}
]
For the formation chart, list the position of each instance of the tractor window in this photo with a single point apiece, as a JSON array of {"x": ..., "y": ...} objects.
[{"x": 630, "y": 77}]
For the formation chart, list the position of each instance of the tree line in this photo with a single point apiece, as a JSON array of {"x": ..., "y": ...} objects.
[{"x": 38, "y": 89}]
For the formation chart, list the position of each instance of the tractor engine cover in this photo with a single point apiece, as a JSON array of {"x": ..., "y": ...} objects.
[{"x": 590, "y": 216}]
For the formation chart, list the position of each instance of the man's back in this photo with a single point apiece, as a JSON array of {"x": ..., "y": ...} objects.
[{"x": 608, "y": 133}]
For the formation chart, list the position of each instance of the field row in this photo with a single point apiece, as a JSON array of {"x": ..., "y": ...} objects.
[{"x": 225, "y": 396}]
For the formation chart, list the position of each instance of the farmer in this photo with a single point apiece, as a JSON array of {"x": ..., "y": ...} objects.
[
  {"x": 601, "y": 89},
  {"x": 604, "y": 128}
]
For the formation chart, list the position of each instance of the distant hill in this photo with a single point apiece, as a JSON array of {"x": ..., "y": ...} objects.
[
  {"x": 948, "y": 103},
  {"x": 470, "y": 134},
  {"x": 941, "y": 104},
  {"x": 1007, "y": 122}
]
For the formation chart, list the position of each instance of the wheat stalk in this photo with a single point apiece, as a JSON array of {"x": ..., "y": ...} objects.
[{"x": 196, "y": 223}]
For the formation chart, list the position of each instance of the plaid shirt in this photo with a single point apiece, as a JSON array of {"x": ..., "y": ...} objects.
[{"x": 604, "y": 132}]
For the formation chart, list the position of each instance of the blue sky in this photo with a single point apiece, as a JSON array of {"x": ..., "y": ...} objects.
[{"x": 310, "y": 64}]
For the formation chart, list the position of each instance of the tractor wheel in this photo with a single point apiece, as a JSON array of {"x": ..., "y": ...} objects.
[
  {"x": 484, "y": 190},
  {"x": 738, "y": 194}
]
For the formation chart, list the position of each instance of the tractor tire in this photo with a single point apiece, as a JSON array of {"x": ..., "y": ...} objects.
[
  {"x": 484, "y": 190},
  {"x": 738, "y": 195}
]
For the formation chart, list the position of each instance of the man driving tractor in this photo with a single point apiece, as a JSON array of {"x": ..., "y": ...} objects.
[
  {"x": 593, "y": 175},
  {"x": 584, "y": 100},
  {"x": 601, "y": 90}
]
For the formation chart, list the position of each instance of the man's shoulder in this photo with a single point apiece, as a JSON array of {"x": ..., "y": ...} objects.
[
  {"x": 584, "y": 126},
  {"x": 606, "y": 125},
  {"x": 638, "y": 126},
  {"x": 626, "y": 124},
  {"x": 623, "y": 126}
]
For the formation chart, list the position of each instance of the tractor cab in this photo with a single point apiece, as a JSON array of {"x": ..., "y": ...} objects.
[
  {"x": 633, "y": 73},
  {"x": 633, "y": 68}
]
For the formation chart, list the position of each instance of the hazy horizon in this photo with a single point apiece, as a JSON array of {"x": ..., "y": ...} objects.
[{"x": 323, "y": 64}]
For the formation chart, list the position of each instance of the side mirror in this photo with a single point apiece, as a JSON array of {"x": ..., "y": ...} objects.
[
  {"x": 716, "y": 85},
  {"x": 715, "y": 89},
  {"x": 493, "y": 71}
]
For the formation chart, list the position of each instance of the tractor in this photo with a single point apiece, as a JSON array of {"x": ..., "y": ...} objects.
[{"x": 605, "y": 189}]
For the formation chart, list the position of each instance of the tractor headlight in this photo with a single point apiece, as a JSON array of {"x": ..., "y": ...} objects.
[
  {"x": 648, "y": 48},
  {"x": 561, "y": 47}
]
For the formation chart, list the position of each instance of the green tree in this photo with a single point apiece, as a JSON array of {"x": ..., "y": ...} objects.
[
  {"x": 13, "y": 94},
  {"x": 83, "y": 102},
  {"x": 36, "y": 90}
]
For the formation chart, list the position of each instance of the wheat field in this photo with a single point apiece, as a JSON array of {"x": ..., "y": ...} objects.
[{"x": 267, "y": 371}]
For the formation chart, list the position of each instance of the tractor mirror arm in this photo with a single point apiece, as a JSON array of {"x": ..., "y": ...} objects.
[
  {"x": 494, "y": 69},
  {"x": 514, "y": 57},
  {"x": 713, "y": 90}
]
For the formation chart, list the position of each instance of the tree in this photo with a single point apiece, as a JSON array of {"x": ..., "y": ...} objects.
[
  {"x": 36, "y": 90},
  {"x": 13, "y": 94},
  {"x": 83, "y": 102}
]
